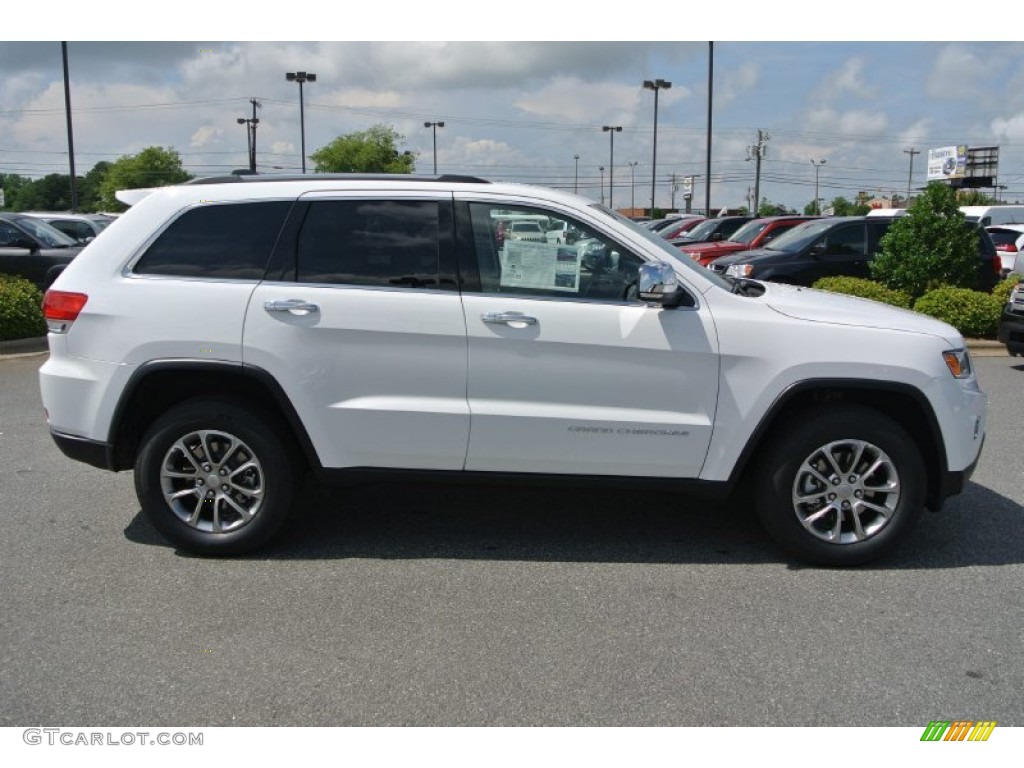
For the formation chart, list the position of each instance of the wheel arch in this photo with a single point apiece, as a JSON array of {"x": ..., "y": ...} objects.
[
  {"x": 161, "y": 384},
  {"x": 903, "y": 403}
]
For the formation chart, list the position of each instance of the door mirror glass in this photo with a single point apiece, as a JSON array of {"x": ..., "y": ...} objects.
[{"x": 657, "y": 284}]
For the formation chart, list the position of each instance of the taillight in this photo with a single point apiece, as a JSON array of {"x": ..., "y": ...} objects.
[
  {"x": 1007, "y": 248},
  {"x": 61, "y": 308}
]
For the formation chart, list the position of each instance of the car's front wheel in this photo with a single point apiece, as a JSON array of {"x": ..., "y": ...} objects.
[
  {"x": 842, "y": 486},
  {"x": 214, "y": 478}
]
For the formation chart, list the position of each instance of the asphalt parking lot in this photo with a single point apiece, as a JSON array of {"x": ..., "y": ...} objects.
[{"x": 440, "y": 605}]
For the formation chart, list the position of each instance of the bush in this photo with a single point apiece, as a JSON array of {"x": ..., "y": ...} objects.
[
  {"x": 973, "y": 313},
  {"x": 1002, "y": 290},
  {"x": 930, "y": 247},
  {"x": 20, "y": 313},
  {"x": 865, "y": 289}
]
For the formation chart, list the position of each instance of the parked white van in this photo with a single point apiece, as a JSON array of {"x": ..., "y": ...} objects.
[{"x": 987, "y": 215}]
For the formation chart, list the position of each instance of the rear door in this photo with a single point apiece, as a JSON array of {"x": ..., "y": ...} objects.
[{"x": 361, "y": 323}]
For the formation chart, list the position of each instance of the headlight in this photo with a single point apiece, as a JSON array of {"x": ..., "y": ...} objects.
[
  {"x": 740, "y": 270},
  {"x": 958, "y": 362}
]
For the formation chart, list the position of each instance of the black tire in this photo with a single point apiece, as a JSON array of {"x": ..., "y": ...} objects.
[
  {"x": 843, "y": 430},
  {"x": 244, "y": 445}
]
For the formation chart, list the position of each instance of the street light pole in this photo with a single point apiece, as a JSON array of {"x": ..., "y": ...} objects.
[
  {"x": 817, "y": 167},
  {"x": 655, "y": 85},
  {"x": 435, "y": 126},
  {"x": 632, "y": 188},
  {"x": 300, "y": 78},
  {"x": 601, "y": 169},
  {"x": 576, "y": 178},
  {"x": 612, "y": 130}
]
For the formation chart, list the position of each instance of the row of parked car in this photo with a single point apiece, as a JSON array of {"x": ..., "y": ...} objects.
[
  {"x": 36, "y": 245},
  {"x": 802, "y": 249}
]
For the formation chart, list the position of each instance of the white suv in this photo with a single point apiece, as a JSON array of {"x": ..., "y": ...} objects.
[{"x": 228, "y": 335}]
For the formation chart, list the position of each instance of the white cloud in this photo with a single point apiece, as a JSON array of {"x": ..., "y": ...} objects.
[
  {"x": 206, "y": 134},
  {"x": 1009, "y": 129},
  {"x": 847, "y": 80},
  {"x": 571, "y": 99},
  {"x": 852, "y": 124},
  {"x": 957, "y": 74},
  {"x": 737, "y": 82}
]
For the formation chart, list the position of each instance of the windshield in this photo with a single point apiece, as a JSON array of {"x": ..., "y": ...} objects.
[
  {"x": 666, "y": 250},
  {"x": 47, "y": 235},
  {"x": 801, "y": 235},
  {"x": 748, "y": 232},
  {"x": 701, "y": 231}
]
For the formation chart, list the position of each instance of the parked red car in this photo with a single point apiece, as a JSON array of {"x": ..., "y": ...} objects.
[
  {"x": 679, "y": 226},
  {"x": 754, "y": 234}
]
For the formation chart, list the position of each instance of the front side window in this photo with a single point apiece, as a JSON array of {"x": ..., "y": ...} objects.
[
  {"x": 845, "y": 241},
  {"x": 515, "y": 257},
  {"x": 230, "y": 241},
  {"x": 370, "y": 242}
]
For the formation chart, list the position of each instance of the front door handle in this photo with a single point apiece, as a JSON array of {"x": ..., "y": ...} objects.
[
  {"x": 508, "y": 318},
  {"x": 295, "y": 306}
]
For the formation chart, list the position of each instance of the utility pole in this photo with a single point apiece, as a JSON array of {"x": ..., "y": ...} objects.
[
  {"x": 255, "y": 122},
  {"x": 71, "y": 136},
  {"x": 756, "y": 152},
  {"x": 674, "y": 181},
  {"x": 910, "y": 176},
  {"x": 250, "y": 131},
  {"x": 601, "y": 169}
]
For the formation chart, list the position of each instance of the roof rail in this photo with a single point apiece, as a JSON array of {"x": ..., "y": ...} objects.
[{"x": 253, "y": 178}]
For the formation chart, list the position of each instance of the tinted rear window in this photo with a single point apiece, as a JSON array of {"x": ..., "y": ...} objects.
[
  {"x": 370, "y": 242},
  {"x": 232, "y": 241}
]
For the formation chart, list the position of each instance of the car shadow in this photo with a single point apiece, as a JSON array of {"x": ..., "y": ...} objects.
[{"x": 428, "y": 521}]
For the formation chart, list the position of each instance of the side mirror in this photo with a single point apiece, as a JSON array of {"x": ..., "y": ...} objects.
[
  {"x": 657, "y": 284},
  {"x": 820, "y": 248},
  {"x": 716, "y": 237}
]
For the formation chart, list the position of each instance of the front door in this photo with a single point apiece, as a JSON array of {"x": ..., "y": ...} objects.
[{"x": 568, "y": 372}]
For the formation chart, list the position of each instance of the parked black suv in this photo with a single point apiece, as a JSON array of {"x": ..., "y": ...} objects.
[
  {"x": 32, "y": 249},
  {"x": 834, "y": 246}
]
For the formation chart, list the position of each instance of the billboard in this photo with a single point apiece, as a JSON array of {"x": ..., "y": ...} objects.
[{"x": 947, "y": 163}]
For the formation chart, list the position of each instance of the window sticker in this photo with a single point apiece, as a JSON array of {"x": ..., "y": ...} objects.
[{"x": 541, "y": 266}]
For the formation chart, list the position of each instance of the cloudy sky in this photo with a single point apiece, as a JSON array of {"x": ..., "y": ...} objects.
[{"x": 521, "y": 111}]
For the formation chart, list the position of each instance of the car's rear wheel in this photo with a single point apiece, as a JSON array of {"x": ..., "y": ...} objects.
[
  {"x": 842, "y": 486},
  {"x": 214, "y": 478}
]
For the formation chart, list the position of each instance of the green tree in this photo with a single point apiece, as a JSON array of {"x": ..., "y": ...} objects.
[
  {"x": 13, "y": 185},
  {"x": 768, "y": 208},
  {"x": 931, "y": 246},
  {"x": 152, "y": 167},
  {"x": 89, "y": 186},
  {"x": 842, "y": 207},
  {"x": 371, "y": 151},
  {"x": 974, "y": 197},
  {"x": 50, "y": 193}
]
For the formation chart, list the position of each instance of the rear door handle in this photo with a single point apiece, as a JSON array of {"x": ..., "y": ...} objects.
[
  {"x": 295, "y": 306},
  {"x": 508, "y": 318}
]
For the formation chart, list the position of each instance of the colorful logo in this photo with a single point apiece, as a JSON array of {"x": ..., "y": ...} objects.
[{"x": 958, "y": 730}]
